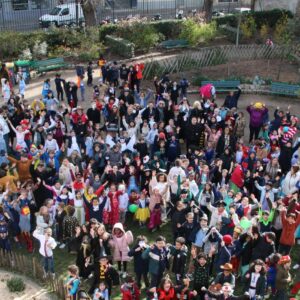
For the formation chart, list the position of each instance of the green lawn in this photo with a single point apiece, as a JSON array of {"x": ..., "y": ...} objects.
[{"x": 63, "y": 258}]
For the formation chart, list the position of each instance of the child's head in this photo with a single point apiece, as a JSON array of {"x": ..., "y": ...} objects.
[
  {"x": 95, "y": 201},
  {"x": 227, "y": 289},
  {"x": 265, "y": 215},
  {"x": 43, "y": 210},
  {"x": 104, "y": 260},
  {"x": 73, "y": 270},
  {"x": 270, "y": 237},
  {"x": 202, "y": 259},
  {"x": 258, "y": 266},
  {"x": 203, "y": 221},
  {"x": 285, "y": 260},
  {"x": 102, "y": 286},
  {"x": 118, "y": 229},
  {"x": 180, "y": 241},
  {"x": 61, "y": 206},
  {"x": 166, "y": 284},
  {"x": 190, "y": 217},
  {"x": 232, "y": 209},
  {"x": 291, "y": 218},
  {"x": 49, "y": 136},
  {"x": 160, "y": 242}
]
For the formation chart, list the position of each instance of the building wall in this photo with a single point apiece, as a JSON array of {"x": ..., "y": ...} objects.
[{"x": 282, "y": 4}]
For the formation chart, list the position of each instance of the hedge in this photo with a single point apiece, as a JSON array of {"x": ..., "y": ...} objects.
[
  {"x": 120, "y": 46},
  {"x": 170, "y": 29},
  {"x": 269, "y": 18}
]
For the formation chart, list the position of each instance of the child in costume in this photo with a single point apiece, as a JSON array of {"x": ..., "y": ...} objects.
[
  {"x": 72, "y": 282},
  {"x": 143, "y": 213},
  {"x": 120, "y": 242}
]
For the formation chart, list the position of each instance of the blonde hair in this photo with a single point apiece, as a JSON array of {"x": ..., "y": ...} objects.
[{"x": 196, "y": 104}]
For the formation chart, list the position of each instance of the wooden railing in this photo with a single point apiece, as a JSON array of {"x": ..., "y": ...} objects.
[
  {"x": 31, "y": 267},
  {"x": 210, "y": 56}
]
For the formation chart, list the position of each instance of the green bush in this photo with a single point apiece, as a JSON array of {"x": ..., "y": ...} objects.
[
  {"x": 15, "y": 284},
  {"x": 120, "y": 46},
  {"x": 108, "y": 29},
  {"x": 269, "y": 18},
  {"x": 57, "y": 42},
  {"x": 170, "y": 29},
  {"x": 248, "y": 27},
  {"x": 197, "y": 33}
]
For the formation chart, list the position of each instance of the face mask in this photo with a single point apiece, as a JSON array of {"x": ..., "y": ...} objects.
[{"x": 93, "y": 106}]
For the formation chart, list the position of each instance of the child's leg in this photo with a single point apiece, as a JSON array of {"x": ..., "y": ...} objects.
[
  {"x": 125, "y": 266},
  {"x": 51, "y": 264},
  {"x": 119, "y": 266},
  {"x": 146, "y": 280},
  {"x": 138, "y": 279},
  {"x": 46, "y": 267}
]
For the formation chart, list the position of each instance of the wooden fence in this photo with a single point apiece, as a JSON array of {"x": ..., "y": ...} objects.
[
  {"x": 205, "y": 57},
  {"x": 31, "y": 267}
]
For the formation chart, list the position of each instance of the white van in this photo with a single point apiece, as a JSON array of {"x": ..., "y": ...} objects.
[{"x": 62, "y": 15}]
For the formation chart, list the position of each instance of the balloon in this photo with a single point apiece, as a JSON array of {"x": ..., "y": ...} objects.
[
  {"x": 245, "y": 224},
  {"x": 133, "y": 208}
]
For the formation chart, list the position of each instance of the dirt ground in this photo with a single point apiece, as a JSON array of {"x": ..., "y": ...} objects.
[
  {"x": 32, "y": 291},
  {"x": 266, "y": 69}
]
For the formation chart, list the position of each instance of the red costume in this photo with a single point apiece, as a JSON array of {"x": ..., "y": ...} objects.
[
  {"x": 113, "y": 216},
  {"x": 237, "y": 176},
  {"x": 166, "y": 295},
  {"x": 130, "y": 293}
]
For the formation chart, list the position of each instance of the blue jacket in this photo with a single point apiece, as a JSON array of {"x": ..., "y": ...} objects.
[
  {"x": 140, "y": 265},
  {"x": 45, "y": 157},
  {"x": 158, "y": 260}
]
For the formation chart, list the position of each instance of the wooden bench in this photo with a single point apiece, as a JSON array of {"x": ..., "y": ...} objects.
[
  {"x": 223, "y": 85},
  {"x": 48, "y": 64},
  {"x": 172, "y": 44},
  {"x": 280, "y": 88}
]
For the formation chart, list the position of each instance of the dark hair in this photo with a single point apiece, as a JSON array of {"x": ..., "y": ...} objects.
[
  {"x": 270, "y": 235},
  {"x": 160, "y": 238},
  {"x": 201, "y": 255},
  {"x": 141, "y": 238},
  {"x": 164, "y": 280},
  {"x": 258, "y": 262},
  {"x": 70, "y": 210}
]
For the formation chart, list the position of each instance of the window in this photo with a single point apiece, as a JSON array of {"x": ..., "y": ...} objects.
[
  {"x": 65, "y": 12},
  {"x": 19, "y": 4}
]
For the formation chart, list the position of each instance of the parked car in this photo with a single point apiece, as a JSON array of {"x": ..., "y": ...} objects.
[
  {"x": 156, "y": 17},
  {"x": 242, "y": 10},
  {"x": 63, "y": 15},
  {"x": 216, "y": 14}
]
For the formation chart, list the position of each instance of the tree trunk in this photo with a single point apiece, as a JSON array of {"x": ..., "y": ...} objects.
[
  {"x": 89, "y": 12},
  {"x": 208, "y": 9},
  {"x": 253, "y": 5}
]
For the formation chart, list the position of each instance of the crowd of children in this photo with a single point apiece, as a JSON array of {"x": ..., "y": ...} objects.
[{"x": 77, "y": 179}]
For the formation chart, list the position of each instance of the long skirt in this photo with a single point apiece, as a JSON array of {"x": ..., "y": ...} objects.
[{"x": 155, "y": 218}]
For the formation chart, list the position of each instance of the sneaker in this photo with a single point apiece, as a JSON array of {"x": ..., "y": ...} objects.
[
  {"x": 124, "y": 275},
  {"x": 296, "y": 267},
  {"x": 62, "y": 246}
]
